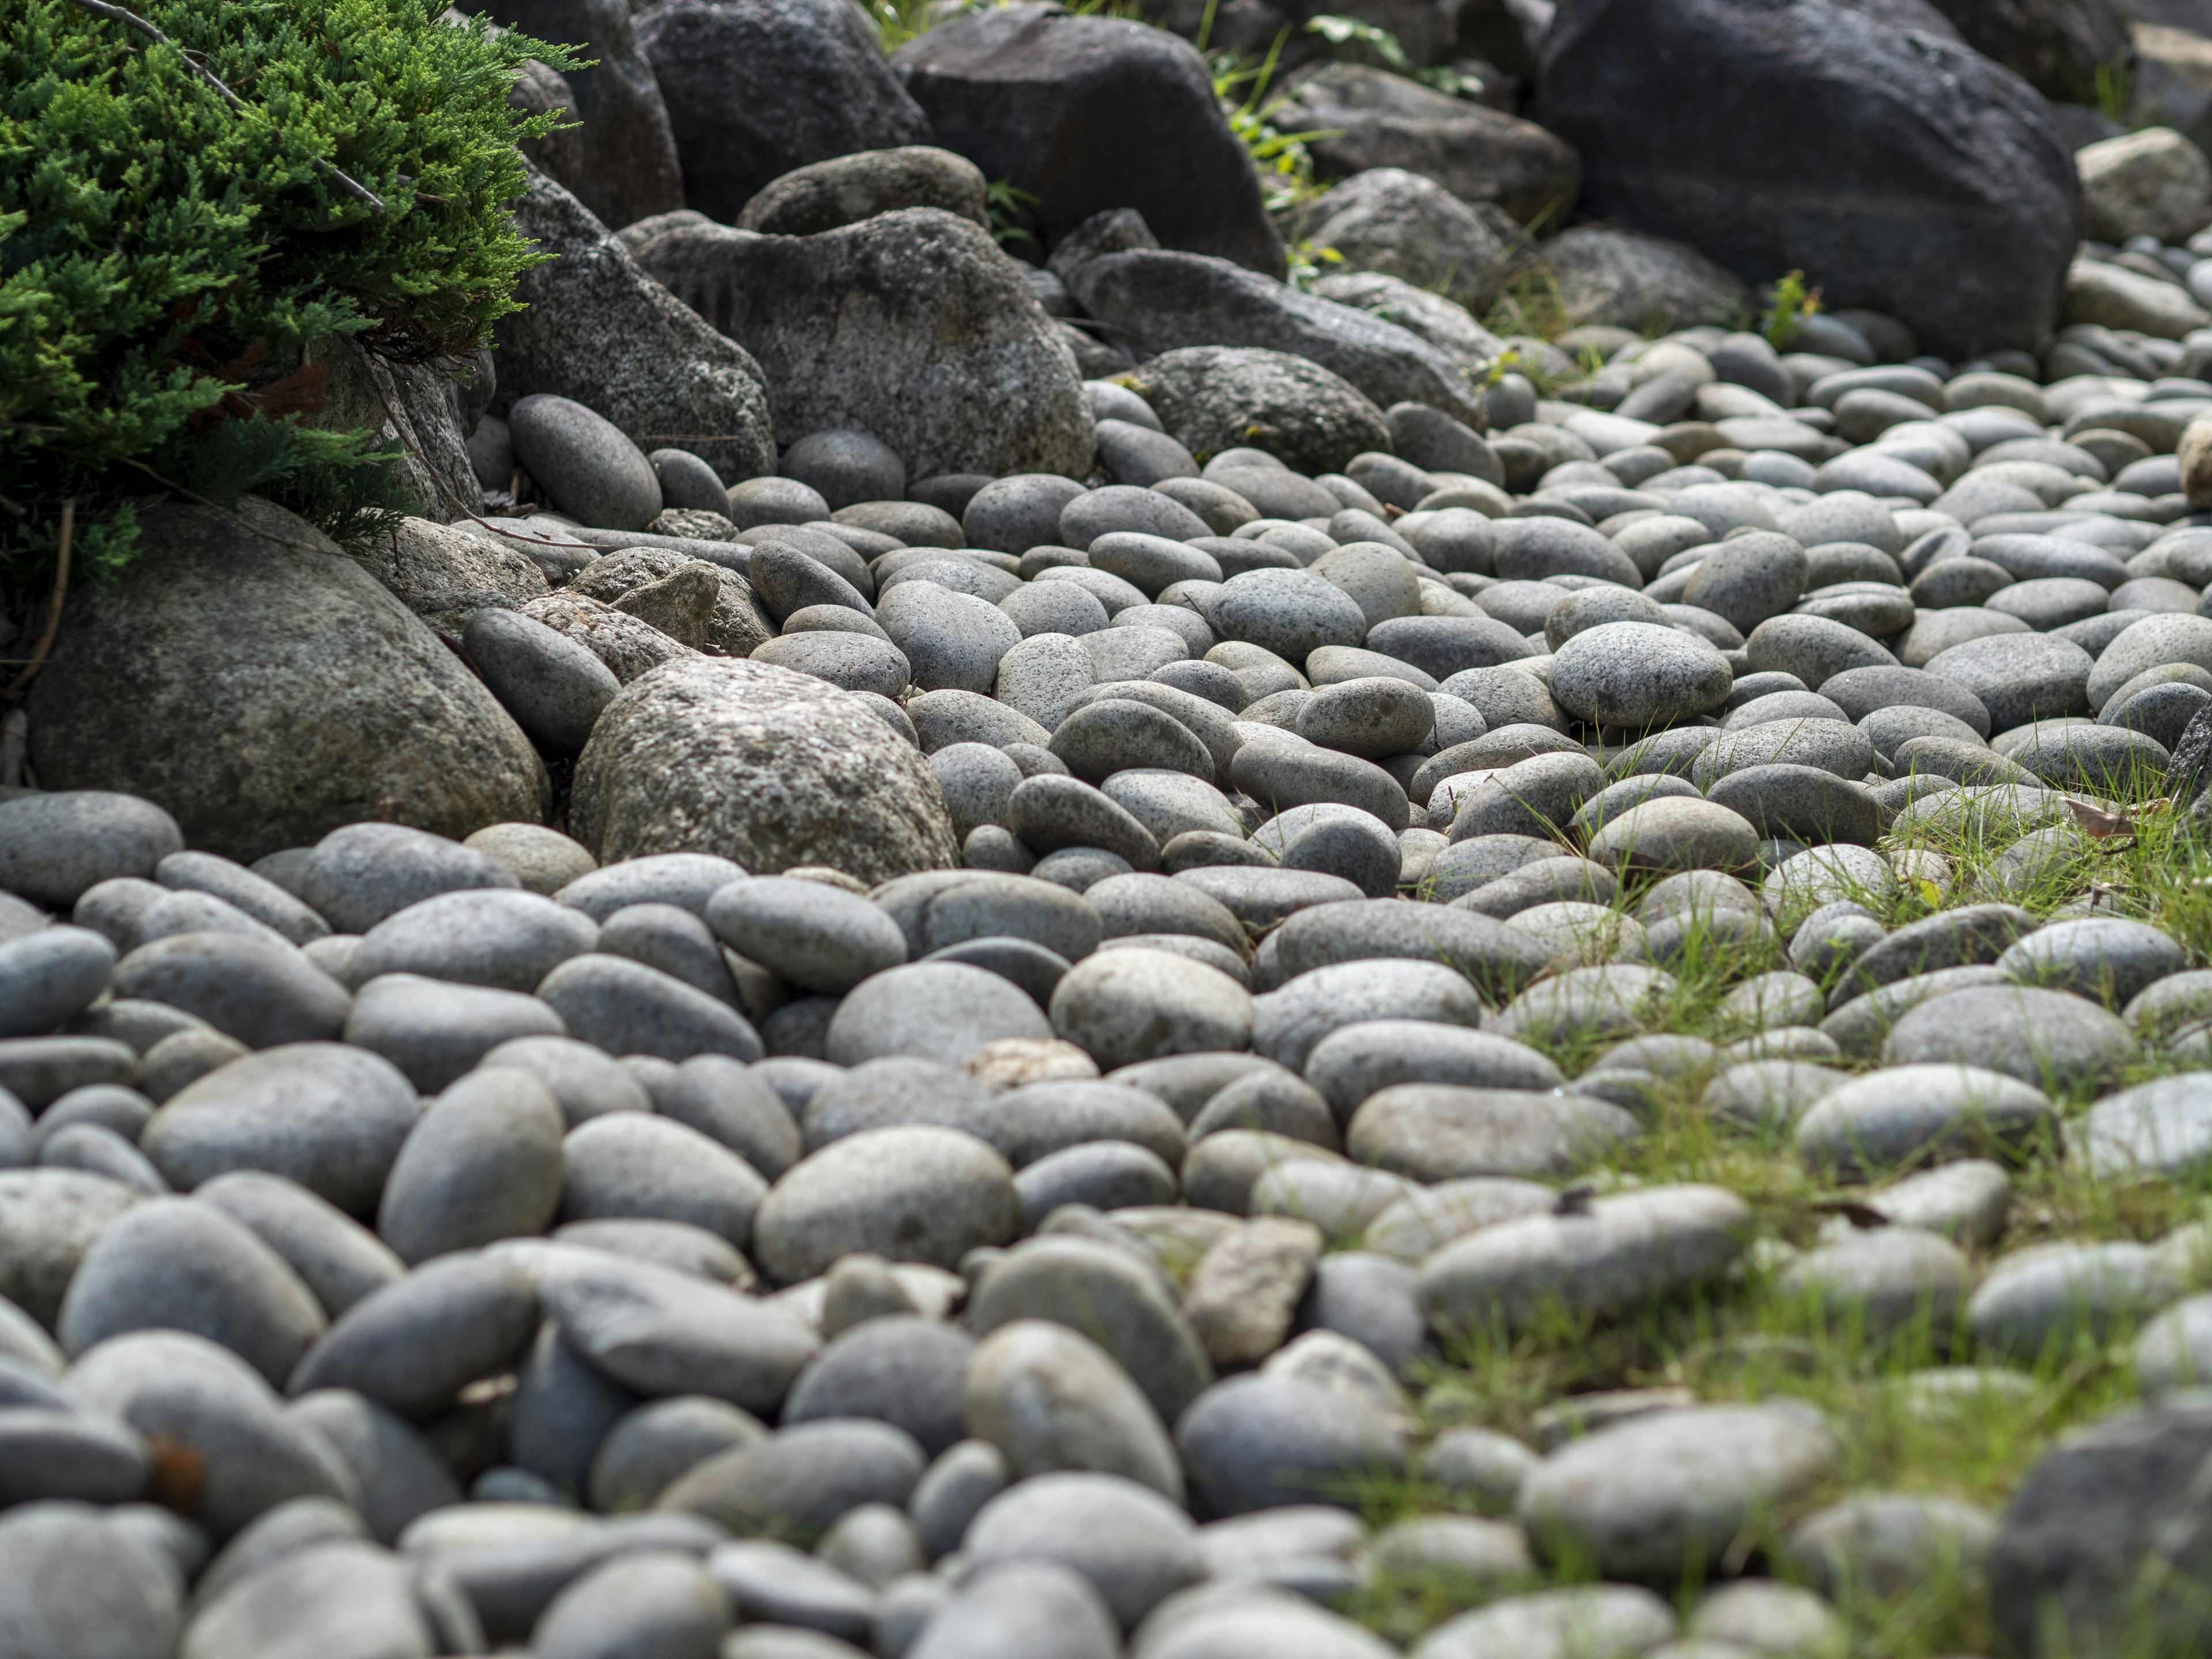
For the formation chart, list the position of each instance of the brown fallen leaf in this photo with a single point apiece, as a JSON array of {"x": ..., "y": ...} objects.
[{"x": 2098, "y": 823}]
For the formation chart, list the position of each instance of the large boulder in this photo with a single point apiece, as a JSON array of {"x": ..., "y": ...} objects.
[
  {"x": 756, "y": 88},
  {"x": 1089, "y": 114},
  {"x": 246, "y": 674},
  {"x": 911, "y": 325},
  {"x": 1368, "y": 117},
  {"x": 1402, "y": 225},
  {"x": 1157, "y": 302},
  {"x": 2058, "y": 47},
  {"x": 770, "y": 767},
  {"x": 1217, "y": 398},
  {"x": 1898, "y": 171},
  {"x": 596, "y": 328},
  {"x": 620, "y": 161}
]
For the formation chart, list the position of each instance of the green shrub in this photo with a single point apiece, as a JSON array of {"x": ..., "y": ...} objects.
[{"x": 165, "y": 255}]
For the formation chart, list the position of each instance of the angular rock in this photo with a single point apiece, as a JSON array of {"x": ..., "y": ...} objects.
[
  {"x": 1365, "y": 118},
  {"x": 754, "y": 91},
  {"x": 956, "y": 366},
  {"x": 1088, "y": 117},
  {"x": 596, "y": 328},
  {"x": 1162, "y": 301}
]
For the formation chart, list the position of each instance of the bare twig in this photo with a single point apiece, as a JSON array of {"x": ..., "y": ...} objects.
[
  {"x": 21, "y": 683},
  {"x": 115, "y": 13}
]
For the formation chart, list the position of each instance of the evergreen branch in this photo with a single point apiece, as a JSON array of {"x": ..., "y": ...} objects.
[{"x": 116, "y": 14}]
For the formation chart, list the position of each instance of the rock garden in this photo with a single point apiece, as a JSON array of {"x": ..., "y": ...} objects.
[{"x": 967, "y": 831}]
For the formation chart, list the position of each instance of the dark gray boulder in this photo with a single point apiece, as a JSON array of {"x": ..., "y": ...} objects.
[
  {"x": 620, "y": 162},
  {"x": 911, "y": 325},
  {"x": 1898, "y": 171},
  {"x": 1161, "y": 302},
  {"x": 756, "y": 88},
  {"x": 1217, "y": 398},
  {"x": 2056, "y": 46},
  {"x": 247, "y": 676},
  {"x": 596, "y": 328},
  {"x": 1089, "y": 113},
  {"x": 1369, "y": 117},
  {"x": 760, "y": 764},
  {"x": 2105, "y": 1545}
]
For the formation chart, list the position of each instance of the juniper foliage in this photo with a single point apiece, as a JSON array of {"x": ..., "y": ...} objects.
[{"x": 165, "y": 255}]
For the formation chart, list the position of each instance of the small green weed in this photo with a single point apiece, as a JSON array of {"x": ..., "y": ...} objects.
[
  {"x": 1792, "y": 303},
  {"x": 1008, "y": 204}
]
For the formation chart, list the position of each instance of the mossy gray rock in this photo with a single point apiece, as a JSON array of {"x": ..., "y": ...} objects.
[{"x": 264, "y": 689}]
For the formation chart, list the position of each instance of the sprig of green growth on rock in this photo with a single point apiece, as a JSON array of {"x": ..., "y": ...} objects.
[
  {"x": 1786, "y": 314},
  {"x": 167, "y": 251},
  {"x": 1281, "y": 158},
  {"x": 1006, "y": 203}
]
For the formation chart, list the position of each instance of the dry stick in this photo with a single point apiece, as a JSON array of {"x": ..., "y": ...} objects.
[
  {"x": 21, "y": 683},
  {"x": 115, "y": 13}
]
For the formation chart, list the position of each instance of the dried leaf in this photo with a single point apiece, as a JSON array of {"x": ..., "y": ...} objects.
[
  {"x": 2098, "y": 823},
  {"x": 179, "y": 1473}
]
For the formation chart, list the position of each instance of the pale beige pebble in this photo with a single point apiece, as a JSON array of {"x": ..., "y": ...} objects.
[
  {"x": 1245, "y": 1291},
  {"x": 1017, "y": 1062},
  {"x": 543, "y": 861}
]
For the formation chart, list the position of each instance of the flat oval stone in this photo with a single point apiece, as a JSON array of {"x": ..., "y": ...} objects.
[
  {"x": 260, "y": 991},
  {"x": 806, "y": 932},
  {"x": 53, "y": 847},
  {"x": 666, "y": 1332},
  {"x": 625, "y": 1007},
  {"x": 1135, "y": 1547},
  {"x": 1634, "y": 675},
  {"x": 914, "y": 1193},
  {"x": 1626, "y": 1251},
  {"x": 416, "y": 1344},
  {"x": 328, "y": 1116},
  {"x": 2108, "y": 960},
  {"x": 1440, "y": 1132},
  {"x": 1052, "y": 1400},
  {"x": 1260, "y": 1442},
  {"x": 210, "y": 1405},
  {"x": 1906, "y": 1115},
  {"x": 1667, "y": 835},
  {"x": 1644, "y": 1496},
  {"x": 174, "y": 1264},
  {"x": 2019, "y": 677},
  {"x": 1883, "y": 1281},
  {"x": 940, "y": 1011},
  {"x": 2045, "y": 1037}
]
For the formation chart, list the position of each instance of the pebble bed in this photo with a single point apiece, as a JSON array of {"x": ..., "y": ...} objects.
[{"x": 414, "y": 1247}]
